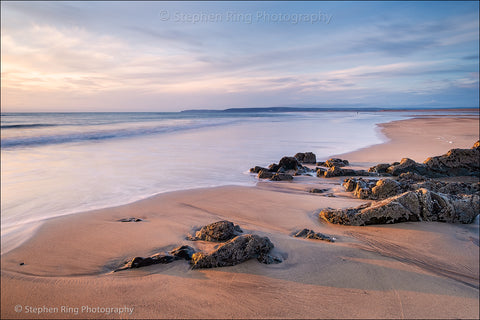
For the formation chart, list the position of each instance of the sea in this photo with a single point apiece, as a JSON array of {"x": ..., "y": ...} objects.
[{"x": 55, "y": 164}]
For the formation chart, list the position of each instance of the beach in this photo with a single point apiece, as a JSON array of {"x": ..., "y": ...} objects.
[{"x": 405, "y": 270}]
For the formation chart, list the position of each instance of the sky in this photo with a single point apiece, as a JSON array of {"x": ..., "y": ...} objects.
[{"x": 171, "y": 56}]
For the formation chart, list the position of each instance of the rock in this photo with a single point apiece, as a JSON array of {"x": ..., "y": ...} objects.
[
  {"x": 307, "y": 157},
  {"x": 411, "y": 176},
  {"x": 385, "y": 188},
  {"x": 281, "y": 177},
  {"x": 22, "y": 263},
  {"x": 321, "y": 163},
  {"x": 265, "y": 174},
  {"x": 182, "y": 252},
  {"x": 130, "y": 220},
  {"x": 235, "y": 251},
  {"x": 456, "y": 162},
  {"x": 407, "y": 165},
  {"x": 339, "y": 172},
  {"x": 269, "y": 259},
  {"x": 216, "y": 232},
  {"x": 310, "y": 234},
  {"x": 335, "y": 162},
  {"x": 257, "y": 169},
  {"x": 139, "y": 262},
  {"x": 288, "y": 163},
  {"x": 321, "y": 172},
  {"x": 421, "y": 204},
  {"x": 273, "y": 167},
  {"x": 379, "y": 168},
  {"x": 315, "y": 190}
]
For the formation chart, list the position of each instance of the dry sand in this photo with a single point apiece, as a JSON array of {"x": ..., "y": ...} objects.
[{"x": 407, "y": 270}]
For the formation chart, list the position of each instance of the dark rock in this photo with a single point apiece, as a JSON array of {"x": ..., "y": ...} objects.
[
  {"x": 411, "y": 176},
  {"x": 307, "y": 157},
  {"x": 183, "y": 252},
  {"x": 273, "y": 167},
  {"x": 310, "y": 234},
  {"x": 130, "y": 220},
  {"x": 419, "y": 205},
  {"x": 235, "y": 251},
  {"x": 288, "y": 163},
  {"x": 22, "y": 263},
  {"x": 456, "y": 162},
  {"x": 257, "y": 169},
  {"x": 321, "y": 163},
  {"x": 385, "y": 188},
  {"x": 339, "y": 172},
  {"x": 321, "y": 172},
  {"x": 315, "y": 190},
  {"x": 265, "y": 174},
  {"x": 407, "y": 165},
  {"x": 269, "y": 259},
  {"x": 282, "y": 177},
  {"x": 335, "y": 162},
  {"x": 379, "y": 168},
  {"x": 139, "y": 262},
  {"x": 216, "y": 232}
]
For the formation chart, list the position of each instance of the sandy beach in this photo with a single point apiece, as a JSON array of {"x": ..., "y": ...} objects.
[{"x": 407, "y": 270}]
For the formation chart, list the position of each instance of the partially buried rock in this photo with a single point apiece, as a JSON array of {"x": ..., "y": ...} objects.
[
  {"x": 133, "y": 219},
  {"x": 456, "y": 162},
  {"x": 139, "y": 262},
  {"x": 217, "y": 232},
  {"x": 315, "y": 190},
  {"x": 336, "y": 171},
  {"x": 310, "y": 234},
  {"x": 235, "y": 251},
  {"x": 183, "y": 252},
  {"x": 257, "y": 169},
  {"x": 407, "y": 165}
]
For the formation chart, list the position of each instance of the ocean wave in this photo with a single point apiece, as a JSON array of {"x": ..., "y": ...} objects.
[
  {"x": 101, "y": 135},
  {"x": 25, "y": 126}
]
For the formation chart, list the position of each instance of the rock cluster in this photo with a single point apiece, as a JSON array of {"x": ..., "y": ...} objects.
[
  {"x": 237, "y": 249},
  {"x": 419, "y": 205},
  {"x": 456, "y": 162},
  {"x": 310, "y": 234},
  {"x": 286, "y": 168}
]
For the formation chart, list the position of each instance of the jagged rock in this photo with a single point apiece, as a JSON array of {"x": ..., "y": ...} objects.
[
  {"x": 133, "y": 219},
  {"x": 407, "y": 165},
  {"x": 385, "y": 188},
  {"x": 315, "y": 190},
  {"x": 321, "y": 172},
  {"x": 288, "y": 163},
  {"x": 265, "y": 174},
  {"x": 139, "y": 262},
  {"x": 379, "y": 168},
  {"x": 257, "y": 169},
  {"x": 411, "y": 176},
  {"x": 235, "y": 251},
  {"x": 216, "y": 232},
  {"x": 339, "y": 172},
  {"x": 310, "y": 234},
  {"x": 456, "y": 162},
  {"x": 335, "y": 162},
  {"x": 307, "y": 157},
  {"x": 321, "y": 163},
  {"x": 182, "y": 252},
  {"x": 409, "y": 206},
  {"x": 281, "y": 177}
]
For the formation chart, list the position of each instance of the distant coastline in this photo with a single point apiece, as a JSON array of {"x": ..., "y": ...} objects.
[{"x": 323, "y": 109}]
